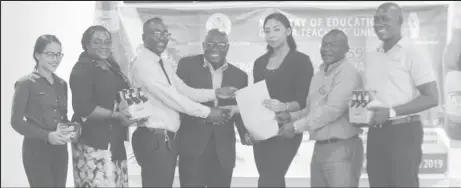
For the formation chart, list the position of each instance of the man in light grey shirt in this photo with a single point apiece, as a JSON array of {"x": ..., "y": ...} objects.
[{"x": 338, "y": 152}]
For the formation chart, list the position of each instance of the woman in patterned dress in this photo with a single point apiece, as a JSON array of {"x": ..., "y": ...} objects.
[{"x": 99, "y": 158}]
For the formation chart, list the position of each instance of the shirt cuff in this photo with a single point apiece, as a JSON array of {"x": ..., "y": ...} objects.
[
  {"x": 44, "y": 135},
  {"x": 206, "y": 112},
  {"x": 213, "y": 93}
]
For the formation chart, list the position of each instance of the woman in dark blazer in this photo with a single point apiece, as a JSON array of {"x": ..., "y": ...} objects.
[
  {"x": 39, "y": 105},
  {"x": 288, "y": 74},
  {"x": 94, "y": 81}
]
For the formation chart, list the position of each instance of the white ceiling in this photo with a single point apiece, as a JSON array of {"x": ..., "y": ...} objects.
[{"x": 281, "y": 4}]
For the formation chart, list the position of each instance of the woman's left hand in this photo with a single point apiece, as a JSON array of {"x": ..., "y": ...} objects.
[
  {"x": 75, "y": 135},
  {"x": 275, "y": 105}
]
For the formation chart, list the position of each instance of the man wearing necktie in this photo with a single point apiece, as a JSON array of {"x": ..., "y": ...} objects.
[
  {"x": 207, "y": 149},
  {"x": 154, "y": 145}
]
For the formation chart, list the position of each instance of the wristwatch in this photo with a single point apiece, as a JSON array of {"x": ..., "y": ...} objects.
[{"x": 392, "y": 113}]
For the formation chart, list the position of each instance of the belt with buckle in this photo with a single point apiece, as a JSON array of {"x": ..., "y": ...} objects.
[
  {"x": 334, "y": 140},
  {"x": 162, "y": 131},
  {"x": 205, "y": 120},
  {"x": 404, "y": 120},
  {"x": 168, "y": 135}
]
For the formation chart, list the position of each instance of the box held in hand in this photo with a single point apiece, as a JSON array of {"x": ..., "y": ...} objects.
[
  {"x": 358, "y": 112},
  {"x": 69, "y": 129},
  {"x": 134, "y": 102}
]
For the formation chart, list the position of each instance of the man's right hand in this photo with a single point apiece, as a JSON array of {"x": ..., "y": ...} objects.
[
  {"x": 247, "y": 140},
  {"x": 57, "y": 138},
  {"x": 219, "y": 115},
  {"x": 287, "y": 130},
  {"x": 283, "y": 117},
  {"x": 252, "y": 139},
  {"x": 226, "y": 92}
]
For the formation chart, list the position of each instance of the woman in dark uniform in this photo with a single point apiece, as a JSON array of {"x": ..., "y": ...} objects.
[
  {"x": 38, "y": 107},
  {"x": 288, "y": 73},
  {"x": 99, "y": 157}
]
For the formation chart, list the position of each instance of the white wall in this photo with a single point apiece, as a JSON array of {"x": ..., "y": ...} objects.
[{"x": 22, "y": 23}]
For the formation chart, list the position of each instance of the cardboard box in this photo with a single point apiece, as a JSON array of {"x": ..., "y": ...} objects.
[
  {"x": 358, "y": 112},
  {"x": 134, "y": 102}
]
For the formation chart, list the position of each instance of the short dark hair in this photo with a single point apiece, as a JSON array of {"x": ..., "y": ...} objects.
[
  {"x": 337, "y": 32},
  {"x": 284, "y": 20},
  {"x": 216, "y": 31},
  {"x": 88, "y": 34},
  {"x": 388, "y": 5},
  {"x": 149, "y": 21},
  {"x": 41, "y": 43}
]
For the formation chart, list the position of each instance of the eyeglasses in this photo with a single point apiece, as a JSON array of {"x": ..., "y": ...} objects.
[
  {"x": 218, "y": 45},
  {"x": 161, "y": 34},
  {"x": 51, "y": 55},
  {"x": 100, "y": 42}
]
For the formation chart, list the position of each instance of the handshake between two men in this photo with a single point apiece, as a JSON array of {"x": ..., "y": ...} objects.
[
  {"x": 218, "y": 115},
  {"x": 222, "y": 114}
]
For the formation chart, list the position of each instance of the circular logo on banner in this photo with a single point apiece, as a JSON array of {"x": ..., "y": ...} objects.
[
  {"x": 219, "y": 21},
  {"x": 108, "y": 19}
]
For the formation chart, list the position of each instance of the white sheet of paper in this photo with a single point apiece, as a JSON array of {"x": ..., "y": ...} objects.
[{"x": 259, "y": 121}]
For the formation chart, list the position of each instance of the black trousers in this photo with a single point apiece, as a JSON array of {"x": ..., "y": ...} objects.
[
  {"x": 394, "y": 154},
  {"x": 273, "y": 158},
  {"x": 204, "y": 171},
  {"x": 157, "y": 161},
  {"x": 45, "y": 164}
]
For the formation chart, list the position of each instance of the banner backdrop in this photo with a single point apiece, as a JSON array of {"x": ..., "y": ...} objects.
[
  {"x": 188, "y": 28},
  {"x": 426, "y": 25}
]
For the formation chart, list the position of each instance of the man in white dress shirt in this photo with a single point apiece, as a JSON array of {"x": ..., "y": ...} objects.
[
  {"x": 155, "y": 147},
  {"x": 403, "y": 78}
]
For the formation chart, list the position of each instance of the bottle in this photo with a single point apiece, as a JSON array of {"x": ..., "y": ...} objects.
[
  {"x": 366, "y": 98},
  {"x": 135, "y": 95},
  {"x": 354, "y": 99},
  {"x": 128, "y": 97},
  {"x": 359, "y": 99},
  {"x": 142, "y": 96}
]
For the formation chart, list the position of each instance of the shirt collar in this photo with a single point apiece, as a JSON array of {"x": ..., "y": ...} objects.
[
  {"x": 332, "y": 66},
  {"x": 208, "y": 64},
  {"x": 55, "y": 77},
  {"x": 400, "y": 44},
  {"x": 146, "y": 53}
]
